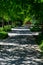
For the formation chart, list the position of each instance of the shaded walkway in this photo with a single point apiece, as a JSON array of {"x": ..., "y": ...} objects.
[{"x": 22, "y": 51}]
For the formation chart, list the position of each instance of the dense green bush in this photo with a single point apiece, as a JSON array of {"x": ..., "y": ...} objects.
[
  {"x": 39, "y": 38},
  {"x": 3, "y": 35},
  {"x": 1, "y": 29},
  {"x": 35, "y": 29},
  {"x": 7, "y": 28}
]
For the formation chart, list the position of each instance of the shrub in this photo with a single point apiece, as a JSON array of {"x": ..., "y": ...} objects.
[
  {"x": 1, "y": 29},
  {"x": 7, "y": 28},
  {"x": 3, "y": 35},
  {"x": 35, "y": 29},
  {"x": 39, "y": 39}
]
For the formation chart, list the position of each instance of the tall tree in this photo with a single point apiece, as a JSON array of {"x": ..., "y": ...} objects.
[
  {"x": 37, "y": 11},
  {"x": 20, "y": 9}
]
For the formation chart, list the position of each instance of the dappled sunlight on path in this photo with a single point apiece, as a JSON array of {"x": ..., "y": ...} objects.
[{"x": 19, "y": 51}]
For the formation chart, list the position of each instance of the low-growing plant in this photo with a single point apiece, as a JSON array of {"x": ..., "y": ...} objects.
[
  {"x": 3, "y": 35},
  {"x": 41, "y": 46},
  {"x": 35, "y": 29},
  {"x": 1, "y": 29},
  {"x": 7, "y": 28}
]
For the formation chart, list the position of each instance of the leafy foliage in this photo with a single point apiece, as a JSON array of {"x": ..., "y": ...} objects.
[
  {"x": 3, "y": 35},
  {"x": 14, "y": 9},
  {"x": 21, "y": 10},
  {"x": 7, "y": 28},
  {"x": 18, "y": 9},
  {"x": 41, "y": 46}
]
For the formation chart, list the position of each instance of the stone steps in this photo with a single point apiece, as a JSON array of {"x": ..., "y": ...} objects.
[{"x": 22, "y": 32}]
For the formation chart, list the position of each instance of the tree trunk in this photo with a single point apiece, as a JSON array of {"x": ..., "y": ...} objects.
[
  {"x": 42, "y": 28},
  {"x": 2, "y": 23},
  {"x": 41, "y": 25},
  {"x": 8, "y": 23}
]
